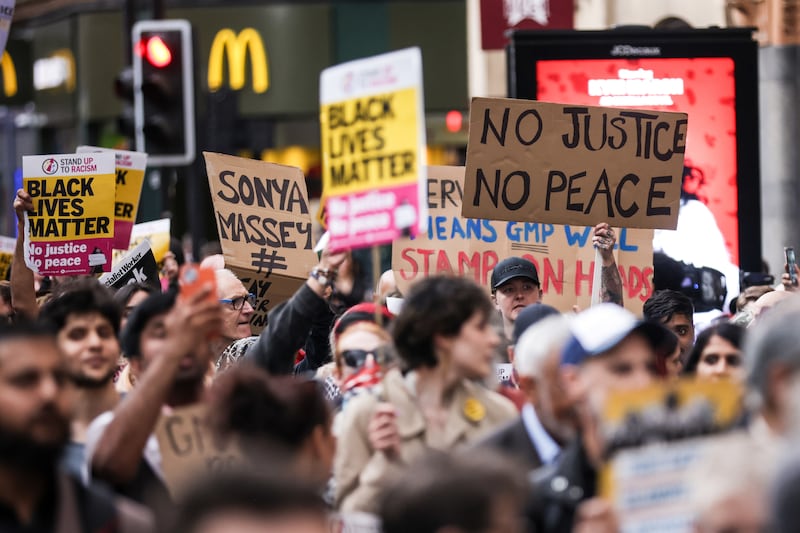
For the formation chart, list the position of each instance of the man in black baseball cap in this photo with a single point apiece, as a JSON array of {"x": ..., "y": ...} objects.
[{"x": 515, "y": 285}]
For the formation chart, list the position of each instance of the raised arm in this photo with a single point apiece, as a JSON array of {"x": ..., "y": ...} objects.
[
  {"x": 291, "y": 322},
  {"x": 23, "y": 291},
  {"x": 604, "y": 239},
  {"x": 118, "y": 452}
]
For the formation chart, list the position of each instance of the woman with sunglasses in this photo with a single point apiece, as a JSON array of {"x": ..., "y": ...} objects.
[{"x": 446, "y": 346}]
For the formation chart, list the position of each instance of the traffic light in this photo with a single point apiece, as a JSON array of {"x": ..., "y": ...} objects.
[
  {"x": 123, "y": 87},
  {"x": 163, "y": 83}
]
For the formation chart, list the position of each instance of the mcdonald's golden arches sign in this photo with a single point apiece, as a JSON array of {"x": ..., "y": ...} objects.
[{"x": 238, "y": 46}]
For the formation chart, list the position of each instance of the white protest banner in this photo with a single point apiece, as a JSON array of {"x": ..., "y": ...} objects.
[
  {"x": 6, "y": 15},
  {"x": 264, "y": 224},
  {"x": 188, "y": 448},
  {"x": 655, "y": 437},
  {"x": 565, "y": 164},
  {"x": 7, "y": 247},
  {"x": 137, "y": 266},
  {"x": 373, "y": 149},
  {"x": 71, "y": 228},
  {"x": 563, "y": 255},
  {"x": 130, "y": 167}
]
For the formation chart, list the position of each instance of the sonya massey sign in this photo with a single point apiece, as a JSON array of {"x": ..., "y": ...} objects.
[
  {"x": 563, "y": 255},
  {"x": 566, "y": 164},
  {"x": 261, "y": 211}
]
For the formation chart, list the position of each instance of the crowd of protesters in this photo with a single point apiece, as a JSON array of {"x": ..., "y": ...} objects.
[{"x": 346, "y": 413}]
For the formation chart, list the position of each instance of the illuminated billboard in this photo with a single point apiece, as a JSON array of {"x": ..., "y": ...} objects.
[{"x": 709, "y": 74}]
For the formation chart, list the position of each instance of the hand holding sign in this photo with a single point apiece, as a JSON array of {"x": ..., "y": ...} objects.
[{"x": 23, "y": 203}]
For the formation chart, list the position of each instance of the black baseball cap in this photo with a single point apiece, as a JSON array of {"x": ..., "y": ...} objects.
[{"x": 513, "y": 267}]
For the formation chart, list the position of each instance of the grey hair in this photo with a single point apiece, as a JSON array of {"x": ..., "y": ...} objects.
[
  {"x": 538, "y": 342},
  {"x": 220, "y": 275},
  {"x": 773, "y": 338}
]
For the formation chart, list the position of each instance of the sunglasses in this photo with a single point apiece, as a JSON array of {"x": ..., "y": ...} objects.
[
  {"x": 357, "y": 358},
  {"x": 238, "y": 303}
]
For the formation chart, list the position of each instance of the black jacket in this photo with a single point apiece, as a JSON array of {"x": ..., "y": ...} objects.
[
  {"x": 303, "y": 321},
  {"x": 513, "y": 441},
  {"x": 559, "y": 488}
]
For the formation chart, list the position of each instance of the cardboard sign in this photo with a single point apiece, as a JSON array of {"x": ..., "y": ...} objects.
[
  {"x": 563, "y": 255},
  {"x": 7, "y": 247},
  {"x": 264, "y": 226},
  {"x": 567, "y": 164},
  {"x": 188, "y": 449},
  {"x": 130, "y": 167},
  {"x": 71, "y": 227},
  {"x": 657, "y": 436},
  {"x": 137, "y": 266},
  {"x": 373, "y": 149}
]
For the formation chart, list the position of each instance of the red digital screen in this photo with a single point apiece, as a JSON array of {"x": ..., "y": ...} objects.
[{"x": 705, "y": 89}]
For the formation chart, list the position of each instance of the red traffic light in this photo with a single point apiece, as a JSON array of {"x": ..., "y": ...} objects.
[{"x": 155, "y": 51}]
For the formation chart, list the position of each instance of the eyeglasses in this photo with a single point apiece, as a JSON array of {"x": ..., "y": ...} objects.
[{"x": 238, "y": 303}]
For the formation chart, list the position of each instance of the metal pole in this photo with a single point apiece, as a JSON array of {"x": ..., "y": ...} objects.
[
  {"x": 128, "y": 18},
  {"x": 158, "y": 9}
]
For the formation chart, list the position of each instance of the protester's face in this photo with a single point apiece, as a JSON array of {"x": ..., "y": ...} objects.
[
  {"x": 513, "y": 296},
  {"x": 170, "y": 267},
  {"x": 35, "y": 401},
  {"x": 674, "y": 364},
  {"x": 354, "y": 340},
  {"x": 720, "y": 360},
  {"x": 683, "y": 327},
  {"x": 553, "y": 406},
  {"x": 248, "y": 522},
  {"x": 91, "y": 347},
  {"x": 628, "y": 366},
  {"x": 235, "y": 322},
  {"x": 472, "y": 350},
  {"x": 135, "y": 299},
  {"x": 152, "y": 343}
]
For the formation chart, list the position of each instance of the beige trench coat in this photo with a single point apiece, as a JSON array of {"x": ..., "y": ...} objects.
[{"x": 359, "y": 471}]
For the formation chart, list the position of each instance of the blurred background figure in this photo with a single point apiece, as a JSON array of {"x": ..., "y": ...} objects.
[
  {"x": 772, "y": 366},
  {"x": 547, "y": 421},
  {"x": 476, "y": 492},
  {"x": 730, "y": 487},
  {"x": 280, "y": 418},
  {"x": 256, "y": 500}
]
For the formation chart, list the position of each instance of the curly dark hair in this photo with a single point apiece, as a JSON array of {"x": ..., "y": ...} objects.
[
  {"x": 438, "y": 305},
  {"x": 81, "y": 296}
]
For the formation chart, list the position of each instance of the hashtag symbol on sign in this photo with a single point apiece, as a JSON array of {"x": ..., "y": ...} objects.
[{"x": 262, "y": 261}]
